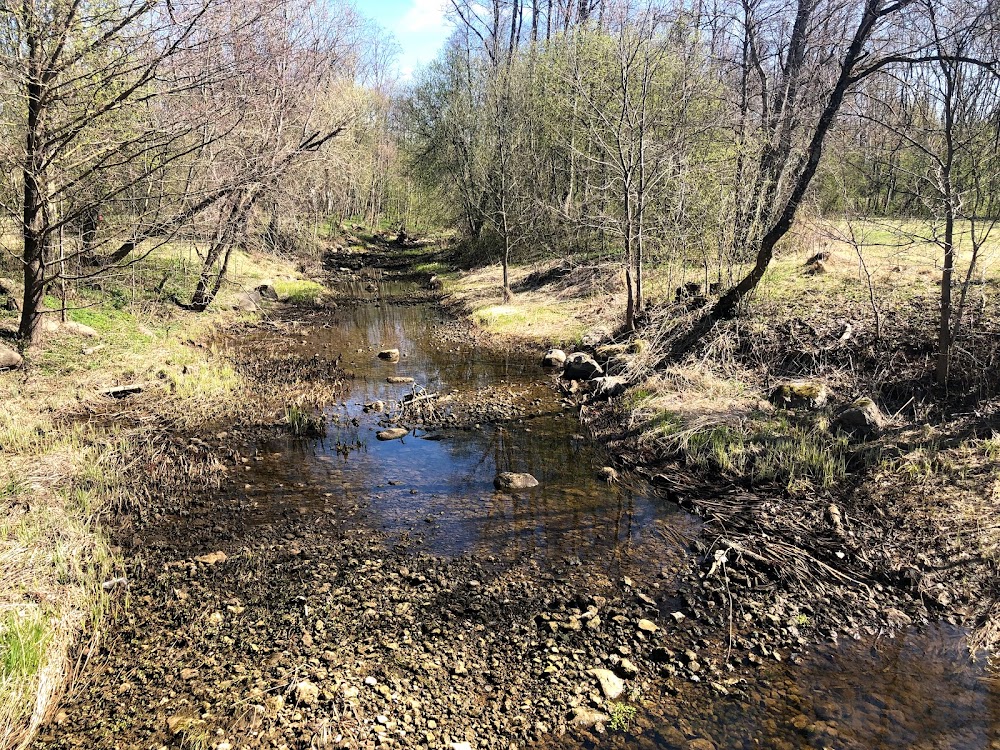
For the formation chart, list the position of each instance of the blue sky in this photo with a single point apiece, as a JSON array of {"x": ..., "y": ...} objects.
[{"x": 419, "y": 26}]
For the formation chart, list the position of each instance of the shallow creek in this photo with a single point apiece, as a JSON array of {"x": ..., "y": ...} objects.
[
  {"x": 432, "y": 493},
  {"x": 915, "y": 690}
]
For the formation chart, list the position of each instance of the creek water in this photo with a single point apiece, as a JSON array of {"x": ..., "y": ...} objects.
[{"x": 917, "y": 689}]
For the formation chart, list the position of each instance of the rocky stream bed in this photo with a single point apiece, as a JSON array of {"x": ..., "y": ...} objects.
[{"x": 344, "y": 591}]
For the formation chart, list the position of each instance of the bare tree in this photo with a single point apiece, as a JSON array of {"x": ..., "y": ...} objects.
[{"x": 796, "y": 64}]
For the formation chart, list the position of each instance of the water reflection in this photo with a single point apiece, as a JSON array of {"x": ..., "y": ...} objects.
[{"x": 440, "y": 490}]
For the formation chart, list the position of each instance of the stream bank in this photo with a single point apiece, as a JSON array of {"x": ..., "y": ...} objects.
[{"x": 346, "y": 591}]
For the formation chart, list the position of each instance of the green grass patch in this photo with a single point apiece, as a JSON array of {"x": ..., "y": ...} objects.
[
  {"x": 796, "y": 455},
  {"x": 22, "y": 646},
  {"x": 300, "y": 292}
]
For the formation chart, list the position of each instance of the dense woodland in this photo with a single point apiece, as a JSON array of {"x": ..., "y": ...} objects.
[{"x": 658, "y": 135}]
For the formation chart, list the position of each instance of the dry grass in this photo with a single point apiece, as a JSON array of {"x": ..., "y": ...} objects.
[{"x": 578, "y": 300}]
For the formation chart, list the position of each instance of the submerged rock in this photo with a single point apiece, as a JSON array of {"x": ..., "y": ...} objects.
[
  {"x": 581, "y": 366},
  {"x": 398, "y": 380},
  {"x": 509, "y": 480},
  {"x": 799, "y": 394},
  {"x": 554, "y": 358},
  {"x": 392, "y": 433},
  {"x": 389, "y": 355},
  {"x": 9, "y": 359}
]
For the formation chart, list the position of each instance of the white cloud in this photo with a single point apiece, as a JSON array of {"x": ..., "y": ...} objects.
[{"x": 423, "y": 15}]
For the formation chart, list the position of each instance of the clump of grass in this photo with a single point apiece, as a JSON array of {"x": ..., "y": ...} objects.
[
  {"x": 300, "y": 292},
  {"x": 622, "y": 716},
  {"x": 22, "y": 646},
  {"x": 302, "y": 423},
  {"x": 767, "y": 450}
]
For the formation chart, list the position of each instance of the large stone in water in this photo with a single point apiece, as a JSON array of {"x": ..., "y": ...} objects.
[
  {"x": 392, "y": 433},
  {"x": 581, "y": 366},
  {"x": 389, "y": 355},
  {"x": 509, "y": 480}
]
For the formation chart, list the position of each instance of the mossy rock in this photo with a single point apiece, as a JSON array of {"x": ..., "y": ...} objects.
[{"x": 800, "y": 394}]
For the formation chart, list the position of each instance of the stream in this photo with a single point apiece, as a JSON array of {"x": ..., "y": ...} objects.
[{"x": 429, "y": 498}]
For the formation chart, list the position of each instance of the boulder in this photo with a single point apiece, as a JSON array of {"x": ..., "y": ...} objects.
[
  {"x": 398, "y": 380},
  {"x": 266, "y": 291},
  {"x": 554, "y": 358},
  {"x": 9, "y": 359},
  {"x": 608, "y": 387},
  {"x": 581, "y": 366},
  {"x": 52, "y": 325},
  {"x": 800, "y": 394},
  {"x": 248, "y": 301},
  {"x": 389, "y": 355},
  {"x": 509, "y": 480},
  {"x": 392, "y": 433},
  {"x": 861, "y": 416}
]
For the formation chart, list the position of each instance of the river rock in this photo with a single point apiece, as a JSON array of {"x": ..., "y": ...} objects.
[
  {"x": 611, "y": 684},
  {"x": 800, "y": 394},
  {"x": 392, "y": 433},
  {"x": 581, "y": 366},
  {"x": 9, "y": 359},
  {"x": 389, "y": 355},
  {"x": 648, "y": 626},
  {"x": 587, "y": 717},
  {"x": 608, "y": 387},
  {"x": 861, "y": 416},
  {"x": 398, "y": 380},
  {"x": 554, "y": 358},
  {"x": 509, "y": 480}
]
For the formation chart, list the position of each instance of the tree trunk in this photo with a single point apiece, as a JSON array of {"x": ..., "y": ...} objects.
[{"x": 33, "y": 230}]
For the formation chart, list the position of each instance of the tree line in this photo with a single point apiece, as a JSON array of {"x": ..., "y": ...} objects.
[
  {"x": 130, "y": 124},
  {"x": 679, "y": 132}
]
